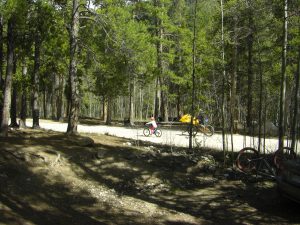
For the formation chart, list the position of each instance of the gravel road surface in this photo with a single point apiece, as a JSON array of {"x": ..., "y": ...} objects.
[{"x": 170, "y": 136}]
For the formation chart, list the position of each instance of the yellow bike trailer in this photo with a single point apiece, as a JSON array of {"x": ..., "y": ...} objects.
[{"x": 187, "y": 119}]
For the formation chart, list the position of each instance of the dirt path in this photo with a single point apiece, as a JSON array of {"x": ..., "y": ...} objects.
[
  {"x": 170, "y": 136},
  {"x": 50, "y": 178}
]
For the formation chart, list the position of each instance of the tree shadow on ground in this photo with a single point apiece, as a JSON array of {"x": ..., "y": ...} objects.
[{"x": 159, "y": 178}]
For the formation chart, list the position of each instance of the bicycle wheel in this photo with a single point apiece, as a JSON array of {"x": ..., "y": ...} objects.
[
  {"x": 194, "y": 130},
  {"x": 284, "y": 154},
  {"x": 158, "y": 132},
  {"x": 244, "y": 160},
  {"x": 208, "y": 130},
  {"x": 146, "y": 132}
]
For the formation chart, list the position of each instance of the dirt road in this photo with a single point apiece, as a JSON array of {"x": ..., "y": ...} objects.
[{"x": 171, "y": 137}]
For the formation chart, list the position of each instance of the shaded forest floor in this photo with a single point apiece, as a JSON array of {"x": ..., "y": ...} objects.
[{"x": 50, "y": 178}]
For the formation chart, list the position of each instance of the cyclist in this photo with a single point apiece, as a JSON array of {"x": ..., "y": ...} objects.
[
  {"x": 153, "y": 124},
  {"x": 201, "y": 117}
]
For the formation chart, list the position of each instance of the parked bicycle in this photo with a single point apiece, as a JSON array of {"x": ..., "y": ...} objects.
[
  {"x": 147, "y": 131},
  {"x": 250, "y": 161}
]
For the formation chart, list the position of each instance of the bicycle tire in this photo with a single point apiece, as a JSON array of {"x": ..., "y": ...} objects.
[
  {"x": 208, "y": 130},
  {"x": 146, "y": 132},
  {"x": 243, "y": 160},
  {"x": 158, "y": 132},
  {"x": 194, "y": 130},
  {"x": 281, "y": 155}
]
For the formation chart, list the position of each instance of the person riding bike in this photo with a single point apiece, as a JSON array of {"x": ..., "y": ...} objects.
[
  {"x": 201, "y": 117},
  {"x": 153, "y": 125}
]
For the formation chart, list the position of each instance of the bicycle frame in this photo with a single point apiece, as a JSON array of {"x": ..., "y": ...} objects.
[
  {"x": 201, "y": 127},
  {"x": 207, "y": 130},
  {"x": 261, "y": 164},
  {"x": 249, "y": 161}
]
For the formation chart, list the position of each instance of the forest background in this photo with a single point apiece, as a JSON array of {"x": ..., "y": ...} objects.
[{"x": 237, "y": 60}]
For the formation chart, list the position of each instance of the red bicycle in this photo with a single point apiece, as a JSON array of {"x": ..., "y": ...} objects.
[{"x": 250, "y": 161}]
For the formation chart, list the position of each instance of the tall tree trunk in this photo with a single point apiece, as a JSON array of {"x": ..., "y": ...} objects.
[
  {"x": 44, "y": 109},
  {"x": 282, "y": 104},
  {"x": 121, "y": 108},
  {"x": 8, "y": 79},
  {"x": 54, "y": 95},
  {"x": 265, "y": 121},
  {"x": 23, "y": 114},
  {"x": 164, "y": 100},
  {"x": 193, "y": 76},
  {"x": 68, "y": 104},
  {"x": 295, "y": 116},
  {"x": 157, "y": 99},
  {"x": 108, "y": 111},
  {"x": 233, "y": 78},
  {"x": 131, "y": 101},
  {"x": 36, "y": 80},
  {"x": 249, "y": 118},
  {"x": 148, "y": 103},
  {"x": 233, "y": 100},
  {"x": 162, "y": 81},
  {"x": 74, "y": 105},
  {"x": 104, "y": 109},
  {"x": 90, "y": 105},
  {"x": 223, "y": 85},
  {"x": 260, "y": 102},
  {"x": 1, "y": 52},
  {"x": 48, "y": 96},
  {"x": 13, "y": 109},
  {"x": 141, "y": 104},
  {"x": 59, "y": 100},
  {"x": 1, "y": 66},
  {"x": 159, "y": 52},
  {"x": 45, "y": 102},
  {"x": 49, "y": 103},
  {"x": 178, "y": 105}
]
